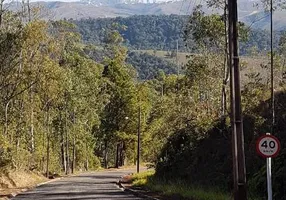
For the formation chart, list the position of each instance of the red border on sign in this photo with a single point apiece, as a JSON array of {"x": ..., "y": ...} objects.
[{"x": 257, "y": 146}]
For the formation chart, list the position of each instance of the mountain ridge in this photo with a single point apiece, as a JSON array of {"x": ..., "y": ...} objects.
[{"x": 55, "y": 10}]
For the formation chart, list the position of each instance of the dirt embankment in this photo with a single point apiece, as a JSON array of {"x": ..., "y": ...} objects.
[{"x": 14, "y": 182}]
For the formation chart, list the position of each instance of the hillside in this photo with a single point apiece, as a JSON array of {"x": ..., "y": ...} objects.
[
  {"x": 84, "y": 9},
  {"x": 161, "y": 32},
  {"x": 157, "y": 32},
  {"x": 81, "y": 10}
]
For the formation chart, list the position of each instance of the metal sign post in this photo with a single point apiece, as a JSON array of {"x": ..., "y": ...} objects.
[
  {"x": 269, "y": 179},
  {"x": 269, "y": 176}
]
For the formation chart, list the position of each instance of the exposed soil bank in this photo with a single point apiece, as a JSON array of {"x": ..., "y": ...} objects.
[{"x": 14, "y": 182}]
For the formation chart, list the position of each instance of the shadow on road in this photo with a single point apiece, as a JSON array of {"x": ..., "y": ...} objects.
[{"x": 97, "y": 185}]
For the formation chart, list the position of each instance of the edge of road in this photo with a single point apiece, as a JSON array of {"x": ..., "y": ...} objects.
[
  {"x": 134, "y": 192},
  {"x": 118, "y": 183},
  {"x": 14, "y": 194}
]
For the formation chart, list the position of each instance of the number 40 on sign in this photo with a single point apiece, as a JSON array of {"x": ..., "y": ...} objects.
[{"x": 268, "y": 146}]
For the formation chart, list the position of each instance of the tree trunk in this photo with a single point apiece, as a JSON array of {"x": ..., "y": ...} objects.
[
  {"x": 63, "y": 155},
  {"x": 6, "y": 119},
  {"x": 117, "y": 155},
  {"x": 73, "y": 156},
  {"x": 226, "y": 63},
  {"x": 29, "y": 10},
  {"x": 121, "y": 154},
  {"x": 23, "y": 10},
  {"x": 32, "y": 147},
  {"x": 105, "y": 155},
  {"x": 86, "y": 156},
  {"x": 48, "y": 155},
  {"x": 19, "y": 127},
  {"x": 62, "y": 142},
  {"x": 48, "y": 144},
  {"x": 1, "y": 12},
  {"x": 67, "y": 143},
  {"x": 74, "y": 142}
]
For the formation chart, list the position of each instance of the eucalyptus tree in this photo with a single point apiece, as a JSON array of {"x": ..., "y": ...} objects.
[{"x": 51, "y": 94}]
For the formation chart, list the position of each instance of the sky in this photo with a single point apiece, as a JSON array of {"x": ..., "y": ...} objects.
[{"x": 8, "y": 1}]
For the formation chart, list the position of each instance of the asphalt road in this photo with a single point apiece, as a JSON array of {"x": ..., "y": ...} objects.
[{"x": 96, "y": 185}]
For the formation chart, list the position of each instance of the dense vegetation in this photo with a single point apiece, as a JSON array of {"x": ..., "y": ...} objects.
[
  {"x": 159, "y": 33},
  {"x": 61, "y": 110},
  {"x": 149, "y": 66},
  {"x": 68, "y": 105}
]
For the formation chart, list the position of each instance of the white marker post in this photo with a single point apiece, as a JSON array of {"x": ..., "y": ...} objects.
[{"x": 268, "y": 147}]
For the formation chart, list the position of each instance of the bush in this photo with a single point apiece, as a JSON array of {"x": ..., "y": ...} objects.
[
  {"x": 190, "y": 157},
  {"x": 205, "y": 158},
  {"x": 5, "y": 160}
]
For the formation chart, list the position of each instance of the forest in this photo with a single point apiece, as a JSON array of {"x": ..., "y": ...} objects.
[
  {"x": 75, "y": 94},
  {"x": 160, "y": 32}
]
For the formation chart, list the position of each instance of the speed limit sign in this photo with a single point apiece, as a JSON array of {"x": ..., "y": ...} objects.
[{"x": 268, "y": 146}]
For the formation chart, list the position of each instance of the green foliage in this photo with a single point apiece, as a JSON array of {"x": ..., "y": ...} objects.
[
  {"x": 140, "y": 179},
  {"x": 5, "y": 159},
  {"x": 208, "y": 31},
  {"x": 157, "y": 32},
  {"x": 50, "y": 93},
  {"x": 177, "y": 189},
  {"x": 162, "y": 32},
  {"x": 68, "y": 106},
  {"x": 149, "y": 66},
  {"x": 189, "y": 149}
]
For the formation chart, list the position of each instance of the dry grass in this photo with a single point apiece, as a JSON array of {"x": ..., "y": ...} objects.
[
  {"x": 249, "y": 64},
  {"x": 182, "y": 56},
  {"x": 15, "y": 182}
]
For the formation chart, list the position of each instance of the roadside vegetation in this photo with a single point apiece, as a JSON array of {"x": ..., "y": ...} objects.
[
  {"x": 176, "y": 189},
  {"x": 73, "y": 98}
]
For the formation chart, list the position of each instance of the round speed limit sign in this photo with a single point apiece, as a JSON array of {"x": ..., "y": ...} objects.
[{"x": 268, "y": 146}]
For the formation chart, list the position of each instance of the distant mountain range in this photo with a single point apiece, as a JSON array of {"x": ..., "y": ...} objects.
[
  {"x": 248, "y": 13},
  {"x": 112, "y": 2}
]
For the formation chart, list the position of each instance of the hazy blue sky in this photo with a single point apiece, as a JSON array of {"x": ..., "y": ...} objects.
[{"x": 8, "y": 1}]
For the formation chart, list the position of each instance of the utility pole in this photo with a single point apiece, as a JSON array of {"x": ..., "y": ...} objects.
[
  {"x": 138, "y": 139},
  {"x": 268, "y": 160},
  {"x": 236, "y": 111},
  {"x": 272, "y": 67},
  {"x": 177, "y": 59}
]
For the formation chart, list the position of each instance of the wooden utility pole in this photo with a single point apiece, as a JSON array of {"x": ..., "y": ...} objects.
[
  {"x": 234, "y": 147},
  {"x": 236, "y": 111},
  {"x": 272, "y": 67},
  {"x": 177, "y": 58},
  {"x": 269, "y": 160}
]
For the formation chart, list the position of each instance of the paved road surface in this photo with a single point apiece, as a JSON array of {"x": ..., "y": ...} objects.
[{"x": 96, "y": 185}]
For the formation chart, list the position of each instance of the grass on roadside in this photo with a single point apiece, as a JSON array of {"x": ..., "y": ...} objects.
[{"x": 147, "y": 179}]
